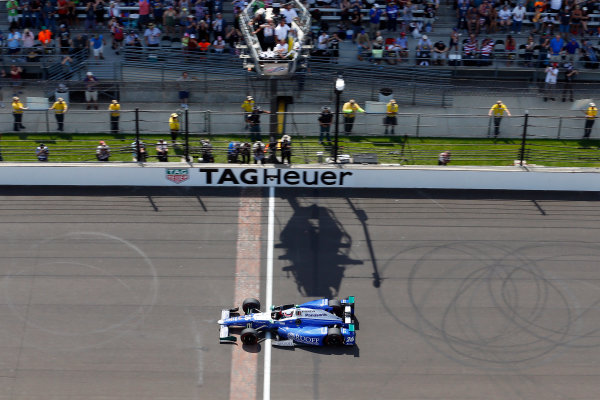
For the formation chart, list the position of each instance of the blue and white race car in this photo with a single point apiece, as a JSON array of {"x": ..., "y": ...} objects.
[{"x": 320, "y": 322}]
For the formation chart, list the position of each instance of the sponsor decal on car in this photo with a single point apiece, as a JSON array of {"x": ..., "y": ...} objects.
[
  {"x": 303, "y": 339},
  {"x": 177, "y": 175}
]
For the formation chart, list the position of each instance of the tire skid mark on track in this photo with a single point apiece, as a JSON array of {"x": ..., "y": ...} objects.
[{"x": 244, "y": 362}]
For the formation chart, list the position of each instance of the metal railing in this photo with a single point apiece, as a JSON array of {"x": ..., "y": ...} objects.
[{"x": 549, "y": 140}]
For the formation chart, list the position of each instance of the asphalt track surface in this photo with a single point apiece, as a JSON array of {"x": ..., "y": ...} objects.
[{"x": 114, "y": 293}]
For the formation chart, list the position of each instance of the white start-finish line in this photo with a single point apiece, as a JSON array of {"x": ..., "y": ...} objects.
[{"x": 269, "y": 291}]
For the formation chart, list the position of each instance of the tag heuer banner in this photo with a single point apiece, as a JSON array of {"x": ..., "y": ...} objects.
[{"x": 178, "y": 175}]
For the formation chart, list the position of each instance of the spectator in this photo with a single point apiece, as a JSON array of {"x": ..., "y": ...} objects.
[
  {"x": 13, "y": 41},
  {"x": 550, "y": 82},
  {"x": 184, "y": 83},
  {"x": 391, "y": 119},
  {"x": 258, "y": 150},
  {"x": 131, "y": 38},
  {"x": 115, "y": 113},
  {"x": 254, "y": 122},
  {"x": 28, "y": 39},
  {"x": 144, "y": 13},
  {"x": 473, "y": 20},
  {"x": 281, "y": 50},
  {"x": 102, "y": 151},
  {"x": 471, "y": 48},
  {"x": 576, "y": 18},
  {"x": 391, "y": 12},
  {"x": 375, "y": 14},
  {"x": 114, "y": 10},
  {"x": 325, "y": 120},
  {"x": 505, "y": 18},
  {"x": 206, "y": 151},
  {"x": 510, "y": 46},
  {"x": 589, "y": 55},
  {"x": 356, "y": 21},
  {"x": 97, "y": 44},
  {"x": 218, "y": 26},
  {"x": 16, "y": 74},
  {"x": 440, "y": 53},
  {"x": 444, "y": 158},
  {"x": 42, "y": 152},
  {"x": 564, "y": 17},
  {"x": 350, "y": 109},
  {"x": 491, "y": 24},
  {"x": 289, "y": 13},
  {"x": 591, "y": 114},
  {"x": 169, "y": 20},
  {"x": 322, "y": 44},
  {"x": 537, "y": 20},
  {"x": 487, "y": 47},
  {"x": 556, "y": 46},
  {"x": 63, "y": 11},
  {"x": 429, "y": 16},
  {"x": 484, "y": 16},
  {"x": 497, "y": 111},
  {"x": 99, "y": 10},
  {"x": 162, "y": 150},
  {"x": 462, "y": 8},
  {"x": 570, "y": 74},
  {"x": 152, "y": 35},
  {"x": 60, "y": 108},
  {"x": 268, "y": 34},
  {"x": 286, "y": 149},
  {"x": 401, "y": 47},
  {"x": 571, "y": 50},
  {"x": 65, "y": 43},
  {"x": 17, "y": 112},
  {"x": 174, "y": 126},
  {"x": 518, "y": 14},
  {"x": 363, "y": 44},
  {"x": 281, "y": 31},
  {"x": 219, "y": 45},
  {"x": 407, "y": 14},
  {"x": 12, "y": 7},
  {"x": 529, "y": 47},
  {"x": 423, "y": 50},
  {"x": 91, "y": 90},
  {"x": 45, "y": 36},
  {"x": 90, "y": 16},
  {"x": 118, "y": 35}
]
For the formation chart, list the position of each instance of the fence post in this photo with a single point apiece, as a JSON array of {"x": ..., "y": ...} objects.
[
  {"x": 522, "y": 152},
  {"x": 489, "y": 132},
  {"x": 559, "y": 127},
  {"x": 137, "y": 134},
  {"x": 187, "y": 137},
  {"x": 47, "y": 122},
  {"x": 418, "y": 125},
  {"x": 207, "y": 123},
  {"x": 414, "y": 93}
]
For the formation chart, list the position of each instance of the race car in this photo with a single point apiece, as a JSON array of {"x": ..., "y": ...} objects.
[{"x": 320, "y": 322}]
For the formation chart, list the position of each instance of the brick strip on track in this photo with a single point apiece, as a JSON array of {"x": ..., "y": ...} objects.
[{"x": 244, "y": 363}]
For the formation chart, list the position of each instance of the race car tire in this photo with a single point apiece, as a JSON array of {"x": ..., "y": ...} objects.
[
  {"x": 336, "y": 307},
  {"x": 250, "y": 304},
  {"x": 249, "y": 336},
  {"x": 334, "y": 337}
]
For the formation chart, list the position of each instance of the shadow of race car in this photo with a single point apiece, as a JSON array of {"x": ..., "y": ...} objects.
[{"x": 320, "y": 322}]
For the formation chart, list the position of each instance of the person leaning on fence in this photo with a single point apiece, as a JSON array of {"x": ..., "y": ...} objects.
[
  {"x": 550, "y": 82},
  {"x": 18, "y": 109},
  {"x": 206, "y": 152},
  {"x": 115, "y": 113},
  {"x": 247, "y": 106},
  {"x": 254, "y": 122},
  {"x": 444, "y": 158},
  {"x": 103, "y": 151},
  {"x": 497, "y": 111},
  {"x": 350, "y": 109},
  {"x": 591, "y": 114},
  {"x": 142, "y": 156},
  {"x": 60, "y": 108},
  {"x": 391, "y": 119},
  {"x": 162, "y": 150},
  {"x": 42, "y": 152},
  {"x": 174, "y": 126},
  {"x": 325, "y": 121}
]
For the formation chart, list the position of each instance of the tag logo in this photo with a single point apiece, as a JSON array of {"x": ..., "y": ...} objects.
[{"x": 178, "y": 175}]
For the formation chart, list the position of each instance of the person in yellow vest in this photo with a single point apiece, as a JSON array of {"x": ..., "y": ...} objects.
[
  {"x": 60, "y": 108},
  {"x": 247, "y": 106},
  {"x": 174, "y": 126},
  {"x": 18, "y": 109},
  {"x": 590, "y": 117},
  {"x": 115, "y": 112},
  {"x": 498, "y": 110},
  {"x": 350, "y": 109},
  {"x": 391, "y": 120}
]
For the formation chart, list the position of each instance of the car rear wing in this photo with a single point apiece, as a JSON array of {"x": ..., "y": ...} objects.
[
  {"x": 348, "y": 305},
  {"x": 224, "y": 336}
]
